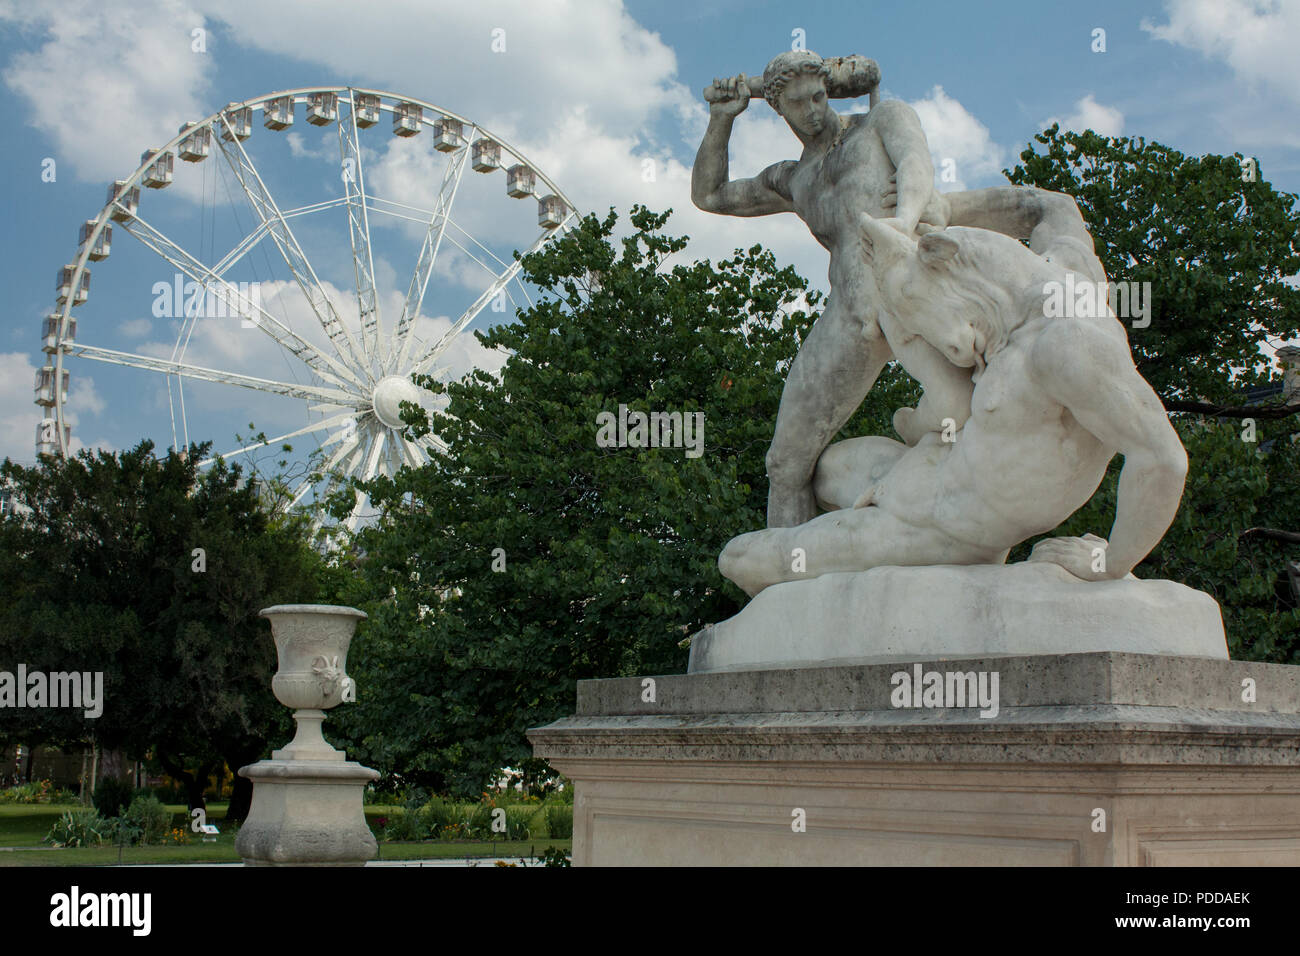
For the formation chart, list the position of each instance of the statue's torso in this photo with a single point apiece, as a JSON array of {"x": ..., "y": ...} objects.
[
  {"x": 830, "y": 192},
  {"x": 1018, "y": 467}
]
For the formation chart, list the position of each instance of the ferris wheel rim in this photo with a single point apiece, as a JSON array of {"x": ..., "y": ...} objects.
[{"x": 387, "y": 101}]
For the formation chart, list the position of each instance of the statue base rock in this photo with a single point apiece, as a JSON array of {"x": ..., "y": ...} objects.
[{"x": 945, "y": 611}]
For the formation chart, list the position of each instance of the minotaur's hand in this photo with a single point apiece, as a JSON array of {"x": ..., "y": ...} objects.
[{"x": 1083, "y": 557}]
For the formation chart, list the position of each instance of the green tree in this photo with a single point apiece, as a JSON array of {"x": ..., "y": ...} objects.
[
  {"x": 152, "y": 572},
  {"x": 1215, "y": 249},
  {"x": 605, "y": 558}
]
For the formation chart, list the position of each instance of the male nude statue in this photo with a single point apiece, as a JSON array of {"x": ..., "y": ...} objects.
[
  {"x": 877, "y": 164},
  {"x": 1054, "y": 400}
]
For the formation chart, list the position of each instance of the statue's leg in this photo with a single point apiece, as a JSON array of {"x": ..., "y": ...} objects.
[
  {"x": 835, "y": 368},
  {"x": 851, "y": 539},
  {"x": 849, "y": 469}
]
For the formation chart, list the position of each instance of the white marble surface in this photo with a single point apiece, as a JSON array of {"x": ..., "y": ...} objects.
[{"x": 950, "y": 611}]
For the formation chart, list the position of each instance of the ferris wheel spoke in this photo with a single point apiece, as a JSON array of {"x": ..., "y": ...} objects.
[
  {"x": 348, "y": 436},
  {"x": 411, "y": 452},
  {"x": 149, "y": 363},
  {"x": 372, "y": 447},
  {"x": 466, "y": 317},
  {"x": 354, "y": 187},
  {"x": 314, "y": 207},
  {"x": 430, "y": 442},
  {"x": 241, "y": 249},
  {"x": 259, "y": 197},
  {"x": 360, "y": 453},
  {"x": 393, "y": 454},
  {"x": 332, "y": 483},
  {"x": 451, "y": 178},
  {"x": 321, "y": 363},
  {"x": 376, "y": 452},
  {"x": 299, "y": 492},
  {"x": 313, "y": 427}
]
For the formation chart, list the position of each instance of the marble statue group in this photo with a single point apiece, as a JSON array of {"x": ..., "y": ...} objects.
[{"x": 1021, "y": 411}]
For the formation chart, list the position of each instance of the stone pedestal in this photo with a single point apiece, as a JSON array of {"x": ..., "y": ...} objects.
[
  {"x": 307, "y": 813},
  {"x": 1095, "y": 759}
]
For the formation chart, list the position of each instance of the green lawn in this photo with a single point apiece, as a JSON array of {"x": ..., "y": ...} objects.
[{"x": 23, "y": 827}]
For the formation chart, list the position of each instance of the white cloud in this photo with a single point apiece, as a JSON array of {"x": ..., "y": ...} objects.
[
  {"x": 557, "y": 54},
  {"x": 954, "y": 134},
  {"x": 1256, "y": 38},
  {"x": 105, "y": 86},
  {"x": 135, "y": 328},
  {"x": 19, "y": 416},
  {"x": 1089, "y": 114}
]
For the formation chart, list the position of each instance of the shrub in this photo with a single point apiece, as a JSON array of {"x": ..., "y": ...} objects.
[
  {"x": 121, "y": 832},
  {"x": 519, "y": 822},
  {"x": 82, "y": 827},
  {"x": 554, "y": 856},
  {"x": 559, "y": 821},
  {"x": 150, "y": 817},
  {"x": 37, "y": 792},
  {"x": 436, "y": 815},
  {"x": 111, "y": 797},
  {"x": 477, "y": 822},
  {"x": 405, "y": 824}
]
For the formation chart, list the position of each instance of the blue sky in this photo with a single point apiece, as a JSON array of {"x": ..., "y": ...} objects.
[{"x": 603, "y": 97}]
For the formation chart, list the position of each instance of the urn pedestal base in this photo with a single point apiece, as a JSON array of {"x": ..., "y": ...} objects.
[
  {"x": 1100, "y": 759},
  {"x": 307, "y": 813}
]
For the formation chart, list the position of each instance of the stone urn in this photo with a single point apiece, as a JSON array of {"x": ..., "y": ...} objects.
[
  {"x": 307, "y": 805},
  {"x": 311, "y": 646}
]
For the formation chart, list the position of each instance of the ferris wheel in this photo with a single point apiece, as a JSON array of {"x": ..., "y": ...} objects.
[{"x": 349, "y": 366}]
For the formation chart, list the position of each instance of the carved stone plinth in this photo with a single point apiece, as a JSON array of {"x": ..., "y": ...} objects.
[
  {"x": 307, "y": 813},
  {"x": 944, "y": 611},
  {"x": 1102, "y": 759}
]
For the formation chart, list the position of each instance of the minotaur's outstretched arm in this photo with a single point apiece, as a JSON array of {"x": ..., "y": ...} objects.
[{"x": 1050, "y": 221}]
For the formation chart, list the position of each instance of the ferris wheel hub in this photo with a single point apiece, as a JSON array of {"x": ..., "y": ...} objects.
[{"x": 389, "y": 394}]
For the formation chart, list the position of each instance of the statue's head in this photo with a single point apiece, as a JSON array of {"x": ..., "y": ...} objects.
[
  {"x": 961, "y": 289},
  {"x": 794, "y": 84}
]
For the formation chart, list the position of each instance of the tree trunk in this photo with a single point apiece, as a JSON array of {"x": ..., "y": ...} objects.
[
  {"x": 194, "y": 783},
  {"x": 241, "y": 799},
  {"x": 241, "y": 788},
  {"x": 85, "y": 791}
]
